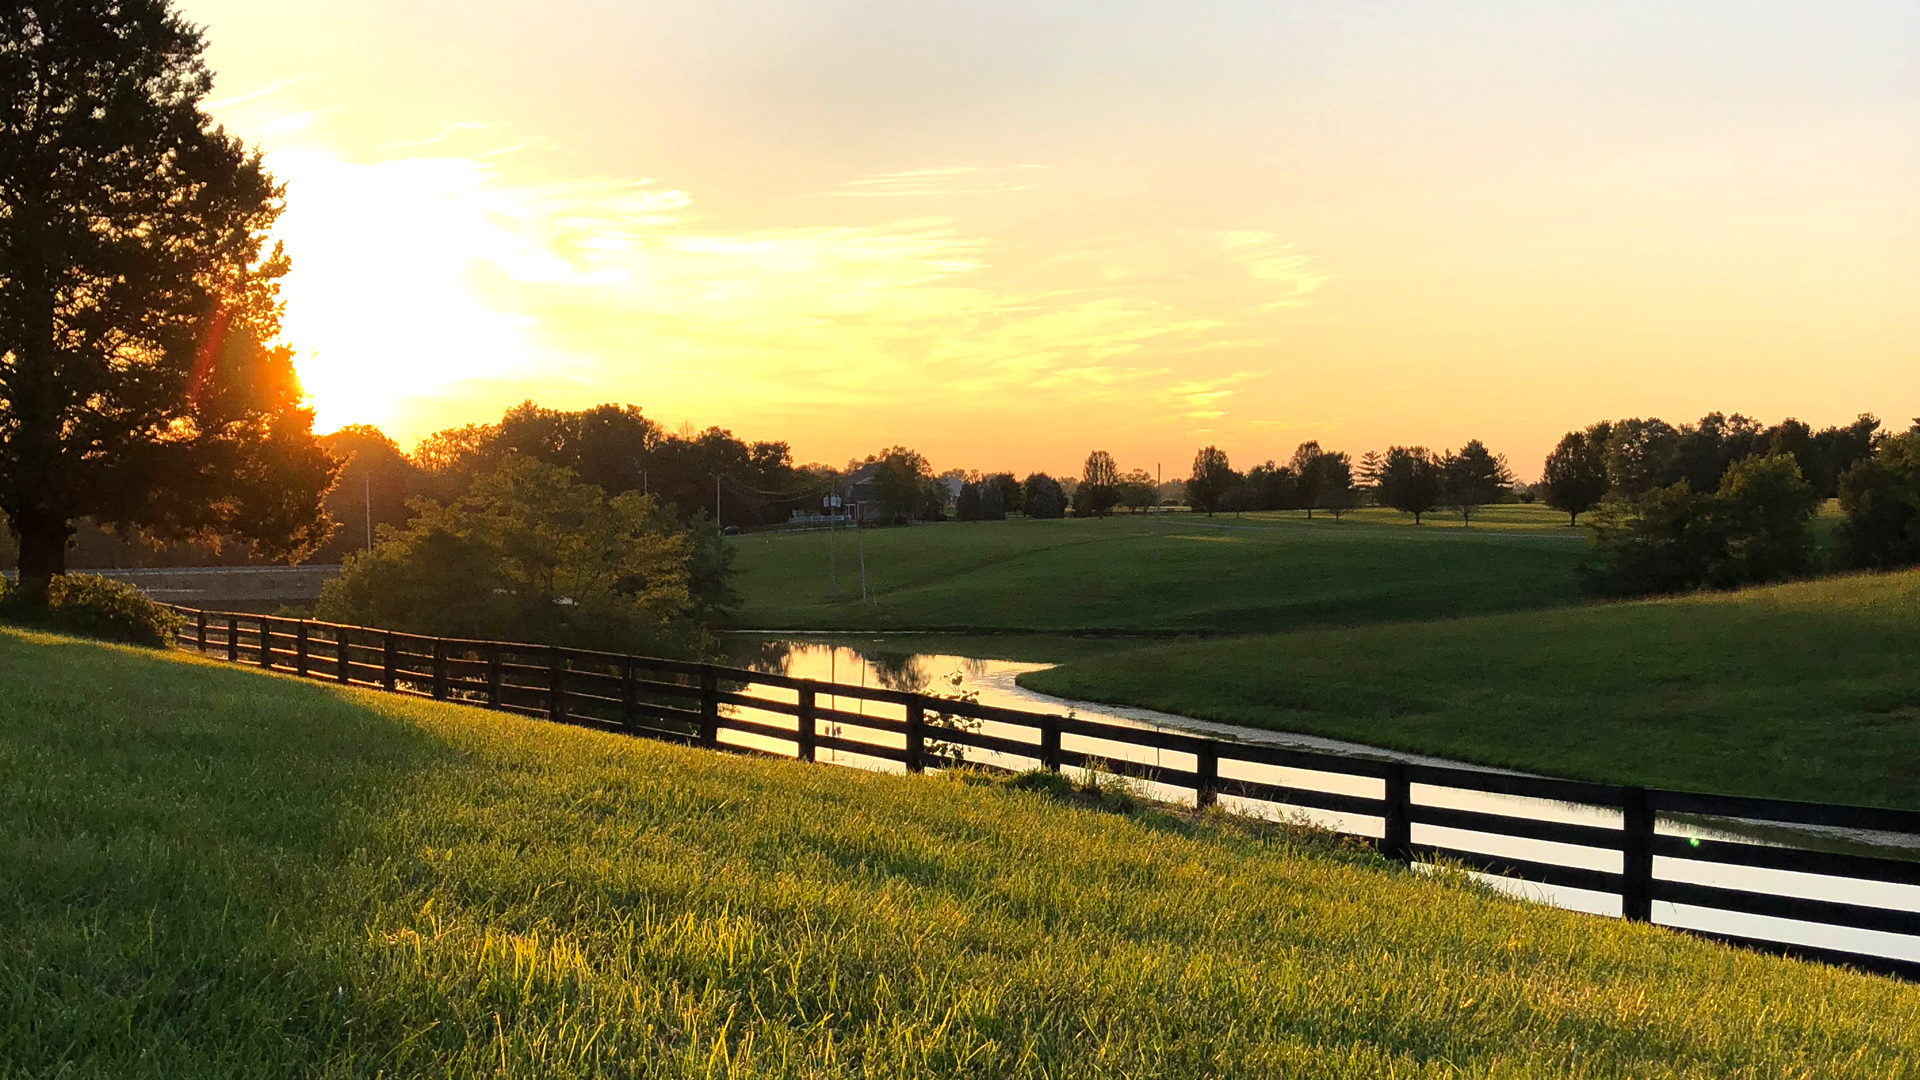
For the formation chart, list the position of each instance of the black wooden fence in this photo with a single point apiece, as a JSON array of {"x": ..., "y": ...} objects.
[{"x": 1560, "y": 823}]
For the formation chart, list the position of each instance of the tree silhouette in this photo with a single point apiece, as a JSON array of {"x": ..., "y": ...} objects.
[
  {"x": 1474, "y": 477},
  {"x": 1575, "y": 474},
  {"x": 139, "y": 380},
  {"x": 1099, "y": 485},
  {"x": 1411, "y": 480},
  {"x": 1212, "y": 479}
]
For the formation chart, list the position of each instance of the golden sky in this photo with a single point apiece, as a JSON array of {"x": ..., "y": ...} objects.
[{"x": 1006, "y": 232}]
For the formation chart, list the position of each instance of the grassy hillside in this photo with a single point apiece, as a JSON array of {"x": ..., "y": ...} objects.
[
  {"x": 1807, "y": 691},
  {"x": 213, "y": 872},
  {"x": 1261, "y": 572}
]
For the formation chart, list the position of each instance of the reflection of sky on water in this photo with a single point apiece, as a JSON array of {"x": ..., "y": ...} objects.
[{"x": 993, "y": 681}]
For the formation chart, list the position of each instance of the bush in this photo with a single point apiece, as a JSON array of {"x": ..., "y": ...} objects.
[
  {"x": 88, "y": 605},
  {"x": 1671, "y": 539}
]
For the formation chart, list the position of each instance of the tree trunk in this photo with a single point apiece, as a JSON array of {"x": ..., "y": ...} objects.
[{"x": 43, "y": 550}]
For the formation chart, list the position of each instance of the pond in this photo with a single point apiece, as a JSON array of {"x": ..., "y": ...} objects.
[{"x": 894, "y": 663}]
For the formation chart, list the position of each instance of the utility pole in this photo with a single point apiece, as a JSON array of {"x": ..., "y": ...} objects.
[
  {"x": 716, "y": 504},
  {"x": 860, "y": 530},
  {"x": 833, "y": 584},
  {"x": 366, "y": 499},
  {"x": 1157, "y": 511}
]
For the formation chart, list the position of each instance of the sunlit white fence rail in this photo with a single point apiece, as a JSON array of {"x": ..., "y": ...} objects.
[{"x": 1800, "y": 866}]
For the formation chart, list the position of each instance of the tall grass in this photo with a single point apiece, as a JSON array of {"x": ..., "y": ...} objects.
[{"x": 208, "y": 871}]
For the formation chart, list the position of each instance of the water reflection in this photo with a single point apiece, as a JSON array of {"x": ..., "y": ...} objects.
[{"x": 891, "y": 664}]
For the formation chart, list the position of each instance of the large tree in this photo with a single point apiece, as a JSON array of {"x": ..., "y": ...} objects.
[
  {"x": 1574, "y": 479},
  {"x": 1099, "y": 485},
  {"x": 141, "y": 383},
  {"x": 1305, "y": 466},
  {"x": 1411, "y": 480},
  {"x": 1212, "y": 480},
  {"x": 1475, "y": 477}
]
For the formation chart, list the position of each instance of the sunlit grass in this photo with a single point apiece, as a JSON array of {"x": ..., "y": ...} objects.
[
  {"x": 1183, "y": 573},
  {"x": 208, "y": 871}
]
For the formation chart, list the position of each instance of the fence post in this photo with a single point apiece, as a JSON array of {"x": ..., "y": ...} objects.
[
  {"x": 916, "y": 737},
  {"x": 266, "y": 643},
  {"x": 805, "y": 722},
  {"x": 709, "y": 706},
  {"x": 343, "y": 671},
  {"x": 300, "y": 649},
  {"x": 389, "y": 663},
  {"x": 233, "y": 639},
  {"x": 201, "y": 627},
  {"x": 629, "y": 696},
  {"x": 1636, "y": 855},
  {"x": 1049, "y": 745},
  {"x": 1206, "y": 789},
  {"x": 556, "y": 685},
  {"x": 440, "y": 669},
  {"x": 1397, "y": 841},
  {"x": 493, "y": 676}
]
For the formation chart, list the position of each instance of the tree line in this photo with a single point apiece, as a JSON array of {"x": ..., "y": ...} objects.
[
  {"x": 1726, "y": 501},
  {"x": 1411, "y": 479}
]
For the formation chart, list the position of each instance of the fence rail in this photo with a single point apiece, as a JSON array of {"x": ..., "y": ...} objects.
[{"x": 1624, "y": 842}]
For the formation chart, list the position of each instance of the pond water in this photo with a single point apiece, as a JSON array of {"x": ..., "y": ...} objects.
[{"x": 894, "y": 664}]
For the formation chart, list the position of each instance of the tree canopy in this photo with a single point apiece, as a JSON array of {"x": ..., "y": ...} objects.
[
  {"x": 141, "y": 379},
  {"x": 1411, "y": 480},
  {"x": 1211, "y": 480}
]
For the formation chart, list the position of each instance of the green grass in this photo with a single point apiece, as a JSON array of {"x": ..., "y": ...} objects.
[
  {"x": 1262, "y": 572},
  {"x": 1801, "y": 691},
  {"x": 209, "y": 871}
]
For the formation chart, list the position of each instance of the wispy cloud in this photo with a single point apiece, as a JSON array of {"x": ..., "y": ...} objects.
[{"x": 945, "y": 181}]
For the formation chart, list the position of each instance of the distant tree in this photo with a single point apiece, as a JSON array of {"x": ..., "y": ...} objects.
[
  {"x": 993, "y": 504},
  {"x": 1013, "y": 494},
  {"x": 967, "y": 507},
  {"x": 1305, "y": 467},
  {"x": 1411, "y": 480},
  {"x": 1337, "y": 493},
  {"x": 1211, "y": 481},
  {"x": 1136, "y": 490},
  {"x": 1269, "y": 487},
  {"x": 1765, "y": 509},
  {"x": 141, "y": 382},
  {"x": 1574, "y": 479},
  {"x": 1474, "y": 477},
  {"x": 1880, "y": 496},
  {"x": 1366, "y": 474},
  {"x": 1703, "y": 450},
  {"x": 1098, "y": 492},
  {"x": 529, "y": 553},
  {"x": 1641, "y": 455},
  {"x": 1043, "y": 497},
  {"x": 376, "y": 480},
  {"x": 1835, "y": 450},
  {"x": 901, "y": 483}
]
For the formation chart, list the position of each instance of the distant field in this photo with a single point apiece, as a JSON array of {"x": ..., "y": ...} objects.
[
  {"x": 1223, "y": 574},
  {"x": 209, "y": 871},
  {"x": 1805, "y": 691}
]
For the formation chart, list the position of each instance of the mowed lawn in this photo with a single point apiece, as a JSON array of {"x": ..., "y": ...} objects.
[
  {"x": 1803, "y": 691},
  {"x": 210, "y": 871},
  {"x": 1261, "y": 572}
]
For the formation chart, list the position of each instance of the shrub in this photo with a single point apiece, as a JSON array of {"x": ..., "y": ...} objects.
[
  {"x": 88, "y": 605},
  {"x": 1672, "y": 539}
]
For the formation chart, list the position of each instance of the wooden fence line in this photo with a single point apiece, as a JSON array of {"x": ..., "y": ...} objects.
[{"x": 688, "y": 702}]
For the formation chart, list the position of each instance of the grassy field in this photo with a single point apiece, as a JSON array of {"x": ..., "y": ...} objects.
[
  {"x": 209, "y": 872},
  {"x": 1262, "y": 572},
  {"x": 1804, "y": 691}
]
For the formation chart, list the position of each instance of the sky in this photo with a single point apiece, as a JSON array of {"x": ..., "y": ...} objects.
[{"x": 1008, "y": 232}]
